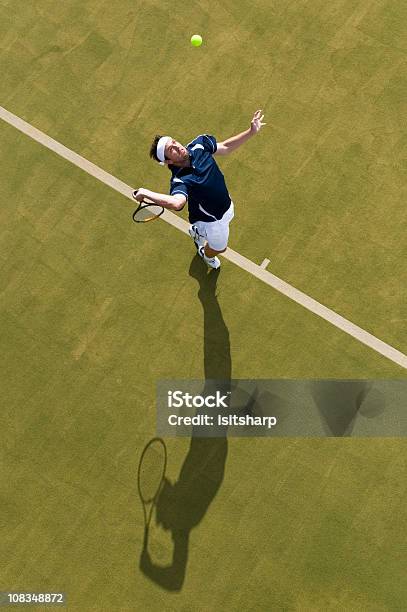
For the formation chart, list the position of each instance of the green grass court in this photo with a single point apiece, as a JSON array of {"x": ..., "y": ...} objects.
[{"x": 94, "y": 309}]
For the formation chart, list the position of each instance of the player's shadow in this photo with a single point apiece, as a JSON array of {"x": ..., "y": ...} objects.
[
  {"x": 340, "y": 402},
  {"x": 182, "y": 505}
]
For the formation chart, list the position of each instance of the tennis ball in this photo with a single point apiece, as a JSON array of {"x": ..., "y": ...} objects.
[{"x": 196, "y": 40}]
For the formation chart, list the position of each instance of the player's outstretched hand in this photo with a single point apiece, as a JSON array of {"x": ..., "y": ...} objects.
[{"x": 257, "y": 122}]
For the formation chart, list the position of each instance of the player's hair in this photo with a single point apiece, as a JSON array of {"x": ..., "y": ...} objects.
[{"x": 153, "y": 149}]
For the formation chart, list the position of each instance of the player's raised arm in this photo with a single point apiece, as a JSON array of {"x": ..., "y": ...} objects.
[{"x": 233, "y": 143}]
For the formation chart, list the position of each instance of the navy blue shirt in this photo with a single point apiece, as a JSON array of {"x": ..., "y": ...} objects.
[{"x": 202, "y": 183}]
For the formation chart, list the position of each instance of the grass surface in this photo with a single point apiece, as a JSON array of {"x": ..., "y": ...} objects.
[{"x": 94, "y": 310}]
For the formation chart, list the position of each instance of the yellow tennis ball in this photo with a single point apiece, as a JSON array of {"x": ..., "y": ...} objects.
[{"x": 196, "y": 40}]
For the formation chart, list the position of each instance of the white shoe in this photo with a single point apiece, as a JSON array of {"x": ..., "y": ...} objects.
[
  {"x": 196, "y": 237},
  {"x": 212, "y": 262}
]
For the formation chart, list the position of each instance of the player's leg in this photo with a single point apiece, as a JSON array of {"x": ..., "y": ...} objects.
[
  {"x": 198, "y": 234},
  {"x": 210, "y": 252},
  {"x": 212, "y": 262},
  {"x": 217, "y": 235}
]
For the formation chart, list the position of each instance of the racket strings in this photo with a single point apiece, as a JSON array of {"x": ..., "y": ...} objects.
[{"x": 147, "y": 212}]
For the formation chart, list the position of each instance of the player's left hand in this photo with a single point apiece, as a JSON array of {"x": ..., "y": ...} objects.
[{"x": 257, "y": 124}]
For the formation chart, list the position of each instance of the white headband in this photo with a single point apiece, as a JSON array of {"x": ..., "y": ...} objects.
[{"x": 160, "y": 148}]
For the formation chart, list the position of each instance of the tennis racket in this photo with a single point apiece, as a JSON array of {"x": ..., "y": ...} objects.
[
  {"x": 146, "y": 210},
  {"x": 151, "y": 472}
]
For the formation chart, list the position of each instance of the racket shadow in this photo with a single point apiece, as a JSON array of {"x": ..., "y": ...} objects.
[
  {"x": 150, "y": 476},
  {"x": 181, "y": 506}
]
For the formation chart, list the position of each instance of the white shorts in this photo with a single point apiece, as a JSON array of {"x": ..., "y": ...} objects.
[{"x": 216, "y": 232}]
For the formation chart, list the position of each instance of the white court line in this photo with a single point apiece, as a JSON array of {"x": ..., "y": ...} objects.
[
  {"x": 258, "y": 271},
  {"x": 264, "y": 263}
]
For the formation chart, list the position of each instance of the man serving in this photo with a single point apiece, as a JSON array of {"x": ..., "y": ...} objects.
[{"x": 197, "y": 181}]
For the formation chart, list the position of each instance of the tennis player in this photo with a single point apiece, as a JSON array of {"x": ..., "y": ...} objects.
[{"x": 197, "y": 181}]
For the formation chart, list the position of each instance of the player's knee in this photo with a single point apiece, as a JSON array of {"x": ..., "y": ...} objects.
[{"x": 210, "y": 250}]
